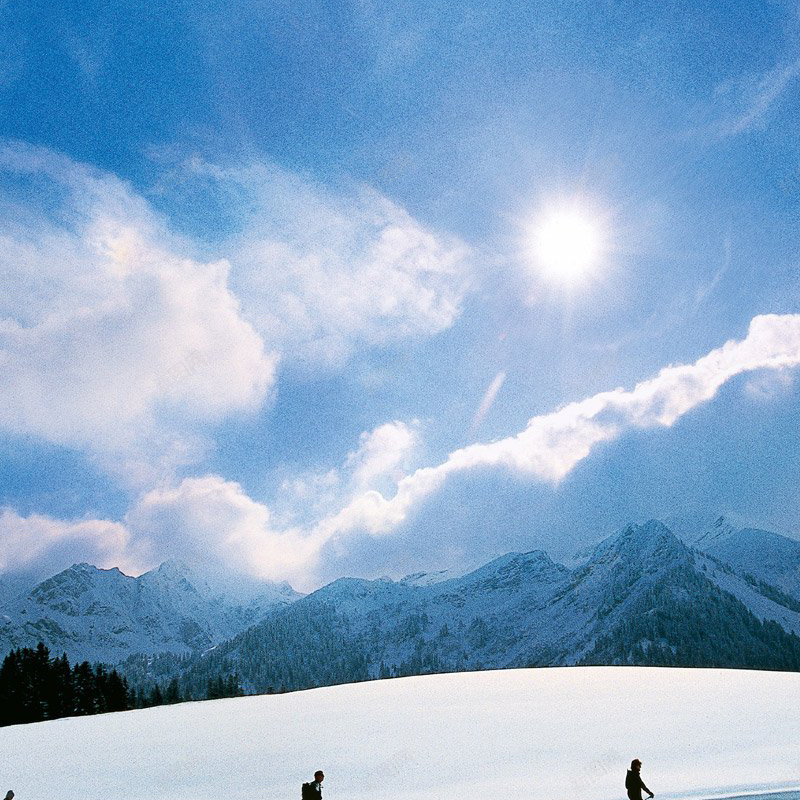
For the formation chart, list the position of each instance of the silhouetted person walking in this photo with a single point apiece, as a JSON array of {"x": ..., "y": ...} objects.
[
  {"x": 313, "y": 790},
  {"x": 634, "y": 783}
]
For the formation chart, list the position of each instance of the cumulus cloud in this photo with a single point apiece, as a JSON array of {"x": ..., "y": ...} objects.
[
  {"x": 26, "y": 540},
  {"x": 383, "y": 457},
  {"x": 209, "y": 517},
  {"x": 383, "y": 452},
  {"x": 115, "y": 338},
  {"x": 108, "y": 330},
  {"x": 552, "y": 444}
]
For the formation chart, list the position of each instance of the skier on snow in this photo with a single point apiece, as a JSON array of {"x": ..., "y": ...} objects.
[
  {"x": 313, "y": 790},
  {"x": 634, "y": 783}
]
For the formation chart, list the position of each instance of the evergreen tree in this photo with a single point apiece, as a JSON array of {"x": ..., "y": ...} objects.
[
  {"x": 85, "y": 689},
  {"x": 173, "y": 692},
  {"x": 156, "y": 698}
]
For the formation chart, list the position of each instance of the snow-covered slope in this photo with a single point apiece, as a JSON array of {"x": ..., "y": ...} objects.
[
  {"x": 766, "y": 555},
  {"x": 104, "y": 615},
  {"x": 534, "y": 734},
  {"x": 755, "y": 596}
]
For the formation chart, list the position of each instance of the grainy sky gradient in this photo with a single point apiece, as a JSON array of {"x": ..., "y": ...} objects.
[{"x": 267, "y": 296}]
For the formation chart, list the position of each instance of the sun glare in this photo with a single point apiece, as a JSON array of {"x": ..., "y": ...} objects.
[{"x": 566, "y": 246}]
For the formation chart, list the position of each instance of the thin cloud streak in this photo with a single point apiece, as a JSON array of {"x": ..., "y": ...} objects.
[
  {"x": 766, "y": 94},
  {"x": 488, "y": 399}
]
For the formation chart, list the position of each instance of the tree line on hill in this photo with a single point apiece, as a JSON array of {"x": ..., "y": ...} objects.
[
  {"x": 306, "y": 647},
  {"x": 36, "y": 687},
  {"x": 682, "y": 620},
  {"x": 685, "y": 622}
]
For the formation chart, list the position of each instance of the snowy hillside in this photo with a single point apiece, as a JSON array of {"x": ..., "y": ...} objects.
[
  {"x": 534, "y": 734},
  {"x": 763, "y": 554}
]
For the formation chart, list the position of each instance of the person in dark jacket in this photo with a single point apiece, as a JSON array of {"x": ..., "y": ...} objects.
[
  {"x": 634, "y": 783},
  {"x": 313, "y": 790}
]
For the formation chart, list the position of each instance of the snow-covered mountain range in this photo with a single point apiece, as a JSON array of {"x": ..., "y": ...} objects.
[
  {"x": 641, "y": 596},
  {"x": 690, "y": 592},
  {"x": 103, "y": 615},
  {"x": 767, "y": 556}
]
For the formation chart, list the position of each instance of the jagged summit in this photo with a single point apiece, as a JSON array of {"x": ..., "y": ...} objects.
[
  {"x": 104, "y": 615},
  {"x": 648, "y": 537},
  {"x": 743, "y": 544},
  {"x": 173, "y": 568},
  {"x": 651, "y": 539},
  {"x": 85, "y": 567}
]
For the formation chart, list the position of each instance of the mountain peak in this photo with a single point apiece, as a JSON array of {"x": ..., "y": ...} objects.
[
  {"x": 83, "y": 566},
  {"x": 648, "y": 540},
  {"x": 174, "y": 568}
]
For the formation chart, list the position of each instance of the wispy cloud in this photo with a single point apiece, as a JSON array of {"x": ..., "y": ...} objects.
[
  {"x": 116, "y": 339},
  {"x": 551, "y": 445},
  {"x": 488, "y": 399},
  {"x": 321, "y": 274},
  {"x": 758, "y": 97}
]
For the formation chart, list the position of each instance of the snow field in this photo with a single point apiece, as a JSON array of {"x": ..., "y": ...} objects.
[{"x": 538, "y": 733}]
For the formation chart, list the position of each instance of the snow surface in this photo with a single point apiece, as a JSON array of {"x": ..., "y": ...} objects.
[{"x": 535, "y": 733}]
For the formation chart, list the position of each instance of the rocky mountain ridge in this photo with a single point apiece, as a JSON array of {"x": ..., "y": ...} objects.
[
  {"x": 104, "y": 615},
  {"x": 644, "y": 596}
]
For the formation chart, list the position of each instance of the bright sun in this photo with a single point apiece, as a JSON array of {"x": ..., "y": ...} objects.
[{"x": 566, "y": 246}]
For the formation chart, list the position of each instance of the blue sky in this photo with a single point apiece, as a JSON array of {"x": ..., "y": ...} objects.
[{"x": 273, "y": 293}]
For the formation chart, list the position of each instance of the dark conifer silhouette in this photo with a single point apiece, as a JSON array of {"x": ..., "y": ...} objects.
[{"x": 36, "y": 687}]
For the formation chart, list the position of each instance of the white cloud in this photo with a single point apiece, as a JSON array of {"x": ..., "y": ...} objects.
[
  {"x": 116, "y": 339},
  {"x": 488, "y": 398},
  {"x": 383, "y": 457},
  {"x": 383, "y": 453},
  {"x": 26, "y": 540},
  {"x": 209, "y": 518},
  {"x": 108, "y": 332},
  {"x": 322, "y": 273},
  {"x": 553, "y": 444}
]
